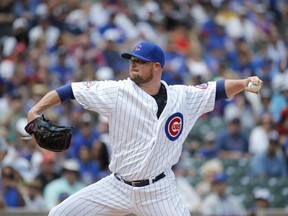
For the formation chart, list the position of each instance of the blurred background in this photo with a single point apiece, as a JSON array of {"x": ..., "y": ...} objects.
[{"x": 235, "y": 159}]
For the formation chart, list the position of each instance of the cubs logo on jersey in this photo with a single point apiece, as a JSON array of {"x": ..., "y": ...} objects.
[
  {"x": 174, "y": 126},
  {"x": 88, "y": 84},
  {"x": 202, "y": 86}
]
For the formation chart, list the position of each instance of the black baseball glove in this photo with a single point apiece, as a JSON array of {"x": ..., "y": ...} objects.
[{"x": 50, "y": 136}]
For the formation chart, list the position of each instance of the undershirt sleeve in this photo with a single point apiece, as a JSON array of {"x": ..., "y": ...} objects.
[
  {"x": 220, "y": 90},
  {"x": 65, "y": 92}
]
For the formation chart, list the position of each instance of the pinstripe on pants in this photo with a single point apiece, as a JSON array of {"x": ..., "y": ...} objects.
[{"x": 110, "y": 196}]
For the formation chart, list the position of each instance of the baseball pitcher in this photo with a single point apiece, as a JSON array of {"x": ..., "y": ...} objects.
[{"x": 148, "y": 123}]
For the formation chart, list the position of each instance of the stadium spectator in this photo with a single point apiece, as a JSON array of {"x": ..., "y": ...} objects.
[
  {"x": 282, "y": 125},
  {"x": 208, "y": 148},
  {"x": 240, "y": 59},
  {"x": 59, "y": 189},
  {"x": 197, "y": 66},
  {"x": 241, "y": 107},
  {"x": 208, "y": 170},
  {"x": 20, "y": 30},
  {"x": 110, "y": 54},
  {"x": 279, "y": 100},
  {"x": 47, "y": 171},
  {"x": 89, "y": 168},
  {"x": 262, "y": 201},
  {"x": 266, "y": 96},
  {"x": 12, "y": 195},
  {"x": 270, "y": 163},
  {"x": 236, "y": 38},
  {"x": 43, "y": 30},
  {"x": 62, "y": 69},
  {"x": 15, "y": 110},
  {"x": 33, "y": 196},
  {"x": 259, "y": 136},
  {"x": 232, "y": 143},
  {"x": 219, "y": 202},
  {"x": 86, "y": 135},
  {"x": 6, "y": 17},
  {"x": 119, "y": 33},
  {"x": 100, "y": 154},
  {"x": 282, "y": 128},
  {"x": 229, "y": 18},
  {"x": 3, "y": 150},
  {"x": 36, "y": 92},
  {"x": 248, "y": 29},
  {"x": 28, "y": 158},
  {"x": 25, "y": 9},
  {"x": 175, "y": 70},
  {"x": 276, "y": 50},
  {"x": 187, "y": 192}
]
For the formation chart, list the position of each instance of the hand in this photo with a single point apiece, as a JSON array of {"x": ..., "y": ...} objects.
[
  {"x": 32, "y": 115},
  {"x": 253, "y": 84}
]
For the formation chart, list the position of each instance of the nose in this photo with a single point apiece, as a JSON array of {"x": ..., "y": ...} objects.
[{"x": 133, "y": 63}]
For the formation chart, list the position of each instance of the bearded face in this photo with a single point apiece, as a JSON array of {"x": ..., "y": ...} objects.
[{"x": 141, "y": 71}]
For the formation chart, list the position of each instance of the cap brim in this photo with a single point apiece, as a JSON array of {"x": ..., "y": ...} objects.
[{"x": 129, "y": 55}]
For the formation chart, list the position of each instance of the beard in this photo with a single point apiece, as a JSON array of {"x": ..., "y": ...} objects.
[{"x": 140, "y": 79}]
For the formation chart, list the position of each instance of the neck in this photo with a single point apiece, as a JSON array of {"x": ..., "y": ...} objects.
[{"x": 151, "y": 89}]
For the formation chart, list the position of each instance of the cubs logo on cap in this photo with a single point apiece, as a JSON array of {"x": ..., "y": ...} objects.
[
  {"x": 174, "y": 126},
  {"x": 138, "y": 47}
]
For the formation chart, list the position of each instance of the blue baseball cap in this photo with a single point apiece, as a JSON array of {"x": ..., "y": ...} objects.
[{"x": 147, "y": 51}]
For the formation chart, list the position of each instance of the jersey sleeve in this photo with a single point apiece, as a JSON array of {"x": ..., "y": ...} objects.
[
  {"x": 98, "y": 96},
  {"x": 201, "y": 98}
]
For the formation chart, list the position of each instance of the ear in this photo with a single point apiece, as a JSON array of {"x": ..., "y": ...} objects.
[{"x": 157, "y": 67}]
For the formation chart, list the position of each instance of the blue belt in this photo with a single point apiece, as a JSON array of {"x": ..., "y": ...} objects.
[{"x": 140, "y": 183}]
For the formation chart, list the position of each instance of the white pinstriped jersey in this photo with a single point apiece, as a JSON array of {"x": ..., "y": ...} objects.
[{"x": 144, "y": 146}]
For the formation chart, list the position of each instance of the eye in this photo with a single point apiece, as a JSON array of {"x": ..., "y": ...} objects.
[{"x": 138, "y": 61}]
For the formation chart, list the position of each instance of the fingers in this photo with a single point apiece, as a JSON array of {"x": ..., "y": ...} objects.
[
  {"x": 254, "y": 84},
  {"x": 256, "y": 80}
]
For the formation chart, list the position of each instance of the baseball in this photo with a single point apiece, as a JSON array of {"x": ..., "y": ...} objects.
[{"x": 254, "y": 88}]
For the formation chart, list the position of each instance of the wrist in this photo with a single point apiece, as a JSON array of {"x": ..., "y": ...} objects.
[
  {"x": 32, "y": 115},
  {"x": 245, "y": 83}
]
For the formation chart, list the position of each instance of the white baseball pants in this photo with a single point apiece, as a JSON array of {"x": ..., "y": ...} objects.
[{"x": 112, "y": 197}]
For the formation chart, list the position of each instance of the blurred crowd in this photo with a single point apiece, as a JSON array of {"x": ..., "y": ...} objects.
[{"x": 47, "y": 43}]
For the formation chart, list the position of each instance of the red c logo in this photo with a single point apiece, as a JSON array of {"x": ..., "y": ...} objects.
[{"x": 174, "y": 126}]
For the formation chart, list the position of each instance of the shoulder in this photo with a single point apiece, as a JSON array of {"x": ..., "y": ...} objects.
[
  {"x": 178, "y": 90},
  {"x": 194, "y": 88},
  {"x": 117, "y": 83},
  {"x": 103, "y": 84}
]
